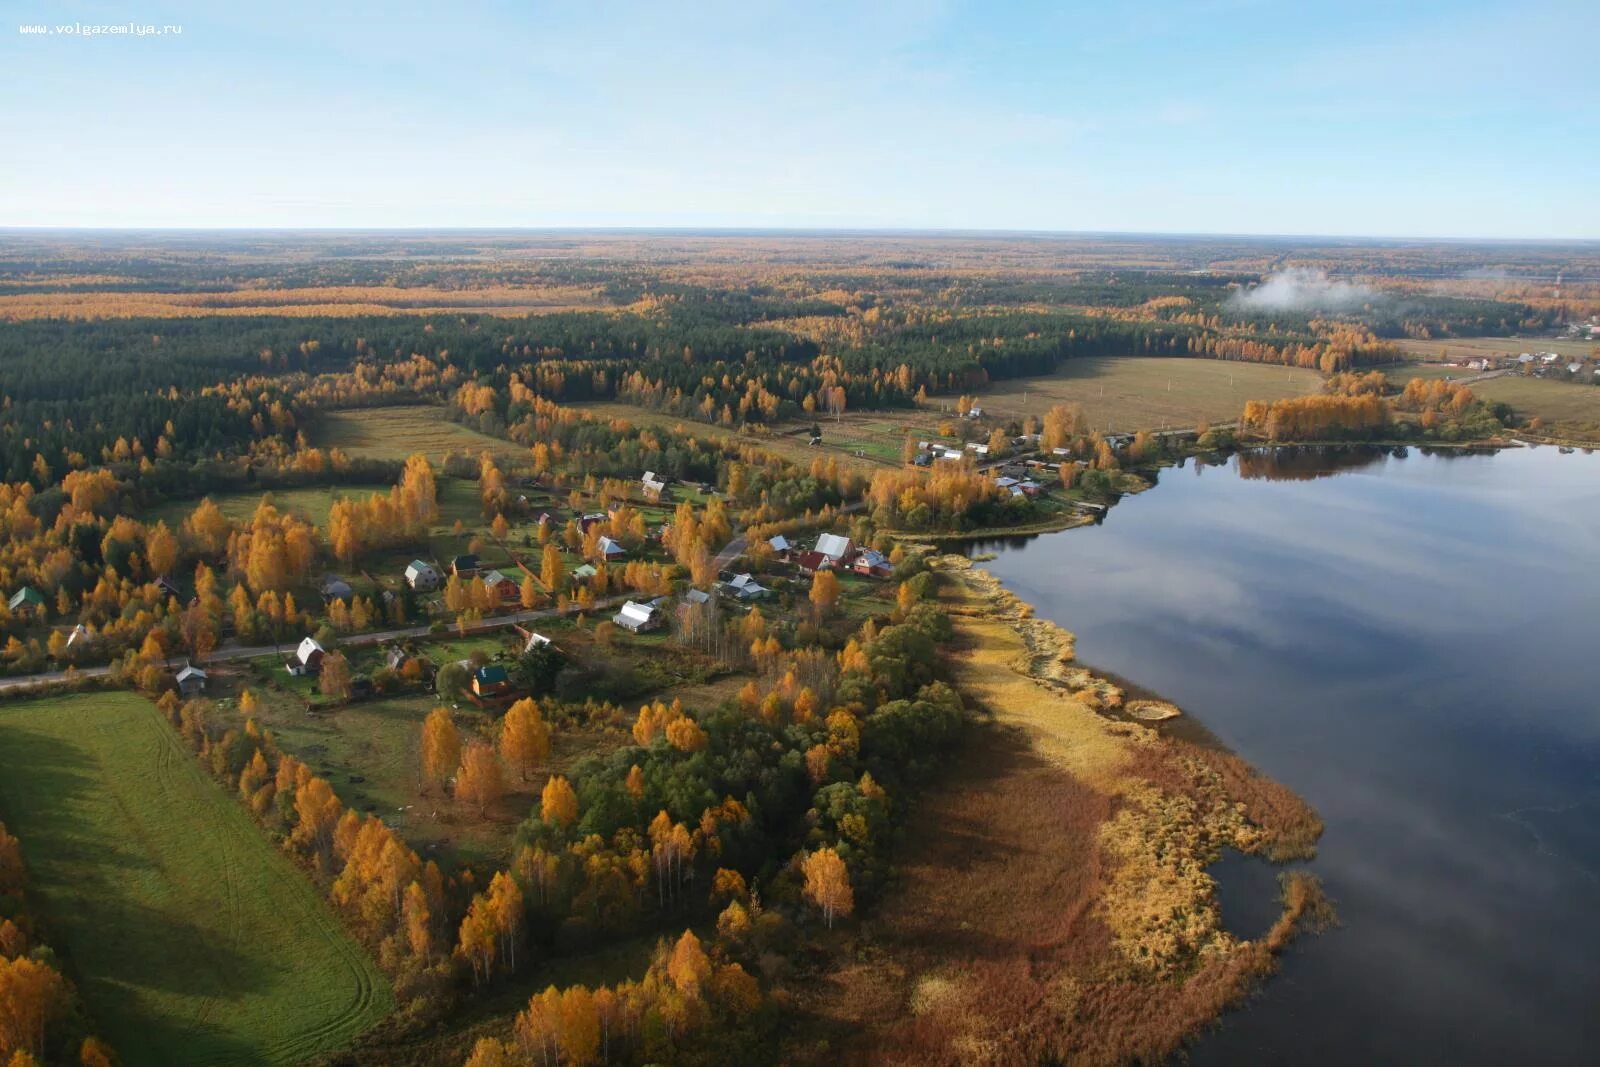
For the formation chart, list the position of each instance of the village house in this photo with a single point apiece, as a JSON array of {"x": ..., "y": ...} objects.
[
  {"x": 421, "y": 576},
  {"x": 490, "y": 681},
  {"x": 590, "y": 519},
  {"x": 395, "y": 657},
  {"x": 169, "y": 588},
  {"x": 654, "y": 487},
  {"x": 812, "y": 562},
  {"x": 26, "y": 601},
  {"x": 336, "y": 588},
  {"x": 974, "y": 413},
  {"x": 611, "y": 550},
  {"x": 79, "y": 637},
  {"x": 191, "y": 681},
  {"x": 977, "y": 449},
  {"x": 637, "y": 618},
  {"x": 745, "y": 587},
  {"x": 307, "y": 657},
  {"x": 873, "y": 564},
  {"x": 465, "y": 566},
  {"x": 780, "y": 546},
  {"x": 836, "y": 547},
  {"x": 583, "y": 573},
  {"x": 530, "y": 639},
  {"x": 697, "y": 596},
  {"x": 503, "y": 587}
]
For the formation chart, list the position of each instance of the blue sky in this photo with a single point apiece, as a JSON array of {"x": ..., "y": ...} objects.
[{"x": 1471, "y": 118}]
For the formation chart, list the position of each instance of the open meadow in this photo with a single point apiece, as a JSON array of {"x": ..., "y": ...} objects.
[
  {"x": 1565, "y": 409},
  {"x": 1459, "y": 349},
  {"x": 190, "y": 937},
  {"x": 1127, "y": 393}
]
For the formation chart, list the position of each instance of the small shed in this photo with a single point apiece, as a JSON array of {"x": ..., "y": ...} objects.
[{"x": 191, "y": 681}]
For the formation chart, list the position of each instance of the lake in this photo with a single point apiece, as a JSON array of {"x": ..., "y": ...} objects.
[{"x": 1410, "y": 642}]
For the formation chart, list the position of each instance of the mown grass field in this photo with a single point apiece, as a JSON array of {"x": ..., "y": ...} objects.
[
  {"x": 1567, "y": 409},
  {"x": 1126, "y": 393},
  {"x": 191, "y": 938},
  {"x": 398, "y": 432},
  {"x": 1465, "y": 348}
]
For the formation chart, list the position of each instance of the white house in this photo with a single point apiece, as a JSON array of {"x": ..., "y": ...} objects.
[
  {"x": 653, "y": 486},
  {"x": 976, "y": 449},
  {"x": 835, "y": 546},
  {"x": 307, "y": 657},
  {"x": 422, "y": 577},
  {"x": 637, "y": 617}
]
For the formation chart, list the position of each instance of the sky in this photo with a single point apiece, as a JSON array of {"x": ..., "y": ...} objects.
[{"x": 1473, "y": 118}]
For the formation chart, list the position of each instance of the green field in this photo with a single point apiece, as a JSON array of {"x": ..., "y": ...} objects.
[
  {"x": 399, "y": 432},
  {"x": 1568, "y": 409},
  {"x": 192, "y": 940},
  {"x": 1126, "y": 393},
  {"x": 1465, "y": 348}
]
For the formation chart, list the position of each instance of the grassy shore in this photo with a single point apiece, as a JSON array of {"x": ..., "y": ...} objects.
[
  {"x": 191, "y": 938},
  {"x": 1052, "y": 902}
]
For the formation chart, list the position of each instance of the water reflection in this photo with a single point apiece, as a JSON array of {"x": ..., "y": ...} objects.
[{"x": 1408, "y": 640}]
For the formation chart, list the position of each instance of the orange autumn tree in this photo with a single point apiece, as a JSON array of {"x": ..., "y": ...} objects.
[
  {"x": 558, "y": 804},
  {"x": 524, "y": 737},
  {"x": 828, "y": 884},
  {"x": 441, "y": 748},
  {"x": 480, "y": 782}
]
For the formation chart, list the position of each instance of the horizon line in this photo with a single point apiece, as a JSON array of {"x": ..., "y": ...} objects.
[{"x": 787, "y": 231}]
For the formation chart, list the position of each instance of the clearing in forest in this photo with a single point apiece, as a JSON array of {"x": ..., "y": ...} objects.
[
  {"x": 398, "y": 432},
  {"x": 190, "y": 937}
]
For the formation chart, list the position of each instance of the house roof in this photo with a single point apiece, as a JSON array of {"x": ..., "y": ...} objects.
[
  {"x": 585, "y": 570},
  {"x": 335, "y": 586},
  {"x": 610, "y": 547},
  {"x": 467, "y": 562},
  {"x": 873, "y": 558},
  {"x": 491, "y": 674},
  {"x": 191, "y": 671},
  {"x": 496, "y": 577},
  {"x": 535, "y": 640},
  {"x": 309, "y": 646},
  {"x": 416, "y": 567},
  {"x": 697, "y": 596},
  {"x": 779, "y": 543},
  {"x": 636, "y": 611},
  {"x": 811, "y": 561},
  {"x": 834, "y": 545},
  {"x": 26, "y": 595}
]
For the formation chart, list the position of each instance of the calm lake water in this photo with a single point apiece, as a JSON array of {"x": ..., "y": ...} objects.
[{"x": 1412, "y": 643}]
